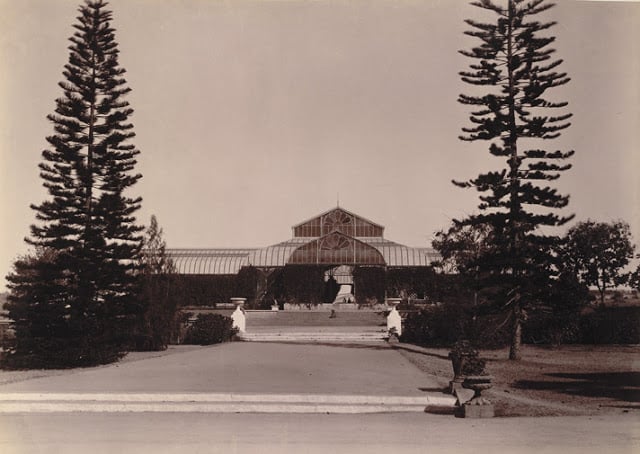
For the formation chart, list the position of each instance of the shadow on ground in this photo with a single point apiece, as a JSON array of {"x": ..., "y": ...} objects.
[{"x": 621, "y": 386}]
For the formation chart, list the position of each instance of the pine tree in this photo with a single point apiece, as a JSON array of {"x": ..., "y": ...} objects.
[
  {"x": 87, "y": 224},
  {"x": 513, "y": 70}
]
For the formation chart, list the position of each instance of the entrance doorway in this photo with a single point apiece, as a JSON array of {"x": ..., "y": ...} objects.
[{"x": 339, "y": 285}]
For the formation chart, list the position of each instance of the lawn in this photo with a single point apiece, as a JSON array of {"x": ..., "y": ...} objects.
[{"x": 566, "y": 380}]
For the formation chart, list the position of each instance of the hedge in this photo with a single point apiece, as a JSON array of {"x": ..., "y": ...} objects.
[
  {"x": 210, "y": 329},
  {"x": 443, "y": 325}
]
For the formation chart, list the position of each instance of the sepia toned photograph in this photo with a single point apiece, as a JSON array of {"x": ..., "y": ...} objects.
[{"x": 311, "y": 226}]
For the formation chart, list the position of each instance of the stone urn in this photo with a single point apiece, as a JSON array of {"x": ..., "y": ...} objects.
[
  {"x": 392, "y": 303},
  {"x": 458, "y": 360},
  {"x": 238, "y": 302},
  {"x": 477, "y": 383}
]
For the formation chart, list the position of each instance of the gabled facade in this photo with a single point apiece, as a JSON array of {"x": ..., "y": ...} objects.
[{"x": 334, "y": 238}]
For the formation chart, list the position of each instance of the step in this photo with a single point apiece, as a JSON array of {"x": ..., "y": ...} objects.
[
  {"x": 313, "y": 318},
  {"x": 313, "y": 336},
  {"x": 221, "y": 403}
]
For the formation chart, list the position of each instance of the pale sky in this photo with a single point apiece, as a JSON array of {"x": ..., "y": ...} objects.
[{"x": 252, "y": 116}]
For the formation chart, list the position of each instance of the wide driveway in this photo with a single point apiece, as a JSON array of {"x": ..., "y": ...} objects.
[{"x": 245, "y": 367}]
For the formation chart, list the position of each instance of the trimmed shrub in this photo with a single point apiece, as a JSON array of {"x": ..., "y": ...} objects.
[
  {"x": 435, "y": 326},
  {"x": 491, "y": 330},
  {"x": 210, "y": 329},
  {"x": 545, "y": 327},
  {"x": 463, "y": 352},
  {"x": 443, "y": 325}
]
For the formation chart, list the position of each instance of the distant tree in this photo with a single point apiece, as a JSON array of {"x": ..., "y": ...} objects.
[
  {"x": 462, "y": 246},
  {"x": 598, "y": 252},
  {"x": 86, "y": 285},
  {"x": 513, "y": 65},
  {"x": 157, "y": 292},
  {"x": 462, "y": 249},
  {"x": 154, "y": 253},
  {"x": 634, "y": 278}
]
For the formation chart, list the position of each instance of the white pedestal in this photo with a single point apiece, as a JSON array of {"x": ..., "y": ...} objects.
[
  {"x": 394, "y": 321},
  {"x": 238, "y": 317}
]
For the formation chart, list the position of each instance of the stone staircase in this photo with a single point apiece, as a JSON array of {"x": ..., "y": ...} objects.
[{"x": 314, "y": 326}]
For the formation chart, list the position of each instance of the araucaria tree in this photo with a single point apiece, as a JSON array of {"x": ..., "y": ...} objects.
[
  {"x": 77, "y": 307},
  {"x": 512, "y": 73}
]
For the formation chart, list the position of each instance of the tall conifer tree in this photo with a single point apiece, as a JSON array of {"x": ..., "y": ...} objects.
[
  {"x": 80, "y": 303},
  {"x": 514, "y": 70}
]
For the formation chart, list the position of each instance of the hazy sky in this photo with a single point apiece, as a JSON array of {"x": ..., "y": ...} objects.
[{"x": 252, "y": 116}]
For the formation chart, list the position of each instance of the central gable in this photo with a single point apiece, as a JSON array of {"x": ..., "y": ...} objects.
[
  {"x": 338, "y": 220},
  {"x": 336, "y": 248}
]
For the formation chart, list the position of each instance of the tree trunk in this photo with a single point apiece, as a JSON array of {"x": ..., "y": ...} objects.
[{"x": 516, "y": 332}]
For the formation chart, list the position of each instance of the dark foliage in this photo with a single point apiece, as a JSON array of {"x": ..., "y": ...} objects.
[
  {"x": 442, "y": 326},
  {"x": 247, "y": 284},
  {"x": 297, "y": 284},
  {"x": 206, "y": 290},
  {"x": 210, "y": 329},
  {"x": 402, "y": 282},
  {"x": 451, "y": 288},
  {"x": 545, "y": 327},
  {"x": 612, "y": 325},
  {"x": 369, "y": 282},
  {"x": 436, "y": 326},
  {"x": 159, "y": 293},
  {"x": 155, "y": 327},
  {"x": 468, "y": 357}
]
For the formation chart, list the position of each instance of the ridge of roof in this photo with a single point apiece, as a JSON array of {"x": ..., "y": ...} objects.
[{"x": 338, "y": 207}]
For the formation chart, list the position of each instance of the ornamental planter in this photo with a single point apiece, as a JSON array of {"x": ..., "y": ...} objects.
[
  {"x": 458, "y": 361},
  {"x": 465, "y": 361},
  {"x": 393, "y": 302},
  {"x": 478, "y": 406}
]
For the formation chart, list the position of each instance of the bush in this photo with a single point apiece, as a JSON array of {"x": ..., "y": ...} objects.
[
  {"x": 545, "y": 327},
  {"x": 435, "y": 326},
  {"x": 70, "y": 353},
  {"x": 210, "y": 329},
  {"x": 443, "y": 325},
  {"x": 613, "y": 325},
  {"x": 472, "y": 364},
  {"x": 159, "y": 294},
  {"x": 609, "y": 325},
  {"x": 492, "y": 330}
]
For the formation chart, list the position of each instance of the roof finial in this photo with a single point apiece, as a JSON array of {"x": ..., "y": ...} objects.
[{"x": 338, "y": 199}]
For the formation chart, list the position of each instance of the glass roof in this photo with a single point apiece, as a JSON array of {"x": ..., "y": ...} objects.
[
  {"x": 230, "y": 261},
  {"x": 336, "y": 236}
]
